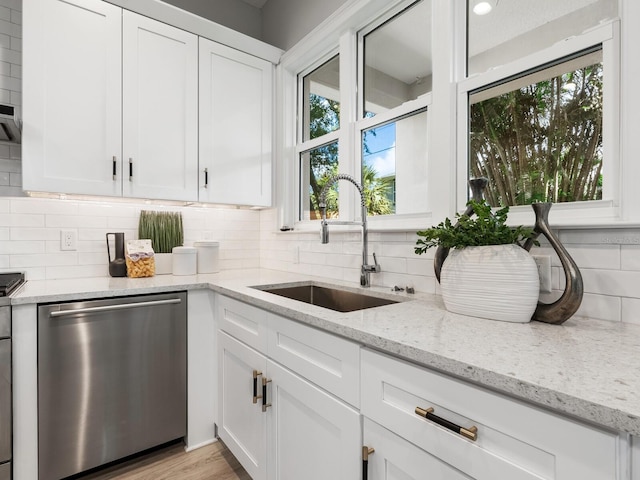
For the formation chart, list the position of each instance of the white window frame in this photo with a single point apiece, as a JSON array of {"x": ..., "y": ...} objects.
[
  {"x": 307, "y": 145},
  {"x": 347, "y": 34},
  {"x": 585, "y": 213}
]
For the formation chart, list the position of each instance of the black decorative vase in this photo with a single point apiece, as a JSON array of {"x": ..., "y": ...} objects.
[{"x": 563, "y": 308}]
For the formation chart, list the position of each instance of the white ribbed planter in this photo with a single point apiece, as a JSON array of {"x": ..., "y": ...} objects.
[{"x": 498, "y": 282}]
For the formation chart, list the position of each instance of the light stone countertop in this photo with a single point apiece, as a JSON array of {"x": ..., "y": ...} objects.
[{"x": 586, "y": 368}]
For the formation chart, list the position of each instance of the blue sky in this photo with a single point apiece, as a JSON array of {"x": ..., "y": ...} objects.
[{"x": 382, "y": 153}]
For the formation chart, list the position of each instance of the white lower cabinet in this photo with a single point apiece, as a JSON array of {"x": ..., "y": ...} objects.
[
  {"x": 311, "y": 434},
  {"x": 297, "y": 403},
  {"x": 241, "y": 423},
  {"x": 393, "y": 458},
  {"x": 513, "y": 441},
  {"x": 277, "y": 423}
]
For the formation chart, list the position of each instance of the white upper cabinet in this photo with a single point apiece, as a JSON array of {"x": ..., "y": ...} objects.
[
  {"x": 111, "y": 101},
  {"x": 72, "y": 97},
  {"x": 160, "y": 110},
  {"x": 236, "y": 109}
]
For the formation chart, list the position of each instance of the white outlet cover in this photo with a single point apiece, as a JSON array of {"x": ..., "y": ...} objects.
[{"x": 68, "y": 240}]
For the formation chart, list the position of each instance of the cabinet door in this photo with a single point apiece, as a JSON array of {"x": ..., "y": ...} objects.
[
  {"x": 160, "y": 110},
  {"x": 241, "y": 423},
  {"x": 312, "y": 435},
  {"x": 394, "y": 458},
  {"x": 72, "y": 97},
  {"x": 235, "y": 126}
]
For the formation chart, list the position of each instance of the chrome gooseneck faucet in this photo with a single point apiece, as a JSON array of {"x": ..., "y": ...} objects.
[{"x": 324, "y": 233}]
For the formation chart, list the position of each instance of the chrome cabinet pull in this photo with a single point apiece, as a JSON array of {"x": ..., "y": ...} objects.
[
  {"x": 206, "y": 178},
  {"x": 114, "y": 167},
  {"x": 256, "y": 374},
  {"x": 471, "y": 433},
  {"x": 265, "y": 405},
  {"x": 366, "y": 451},
  {"x": 130, "y": 169}
]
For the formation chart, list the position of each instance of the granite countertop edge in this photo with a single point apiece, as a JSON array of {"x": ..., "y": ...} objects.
[{"x": 402, "y": 331}]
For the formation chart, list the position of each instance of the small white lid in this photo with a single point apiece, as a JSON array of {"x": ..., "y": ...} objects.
[
  {"x": 206, "y": 244},
  {"x": 184, "y": 250}
]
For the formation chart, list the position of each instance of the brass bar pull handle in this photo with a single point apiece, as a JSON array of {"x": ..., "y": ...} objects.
[
  {"x": 256, "y": 374},
  {"x": 114, "y": 167},
  {"x": 366, "y": 451},
  {"x": 206, "y": 178},
  {"x": 265, "y": 405},
  {"x": 130, "y": 169},
  {"x": 471, "y": 433}
]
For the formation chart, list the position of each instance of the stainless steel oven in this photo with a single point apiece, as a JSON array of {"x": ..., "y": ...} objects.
[{"x": 5, "y": 392}]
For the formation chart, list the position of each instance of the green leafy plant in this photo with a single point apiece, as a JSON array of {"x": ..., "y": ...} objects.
[
  {"x": 163, "y": 228},
  {"x": 485, "y": 228}
]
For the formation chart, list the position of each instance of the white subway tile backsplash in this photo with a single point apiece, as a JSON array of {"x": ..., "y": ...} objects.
[
  {"x": 77, "y": 271},
  {"x": 420, "y": 266},
  {"x": 347, "y": 261},
  {"x": 392, "y": 264},
  {"x": 631, "y": 310},
  {"x": 5, "y": 13},
  {"x": 21, "y": 220},
  {"x": 619, "y": 283},
  {"x": 601, "y": 307},
  {"x": 630, "y": 257},
  {"x": 605, "y": 256},
  {"x": 12, "y": 4},
  {"x": 16, "y": 17},
  {"x": 23, "y": 247},
  {"x": 16, "y": 44},
  {"x": 75, "y": 221},
  {"x": 10, "y": 29}
]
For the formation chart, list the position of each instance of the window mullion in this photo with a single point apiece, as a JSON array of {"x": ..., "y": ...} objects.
[{"x": 348, "y": 199}]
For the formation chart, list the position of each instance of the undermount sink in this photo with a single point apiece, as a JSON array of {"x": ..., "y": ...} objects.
[{"x": 327, "y": 297}]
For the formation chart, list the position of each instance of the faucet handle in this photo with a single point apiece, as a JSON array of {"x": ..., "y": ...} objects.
[{"x": 375, "y": 268}]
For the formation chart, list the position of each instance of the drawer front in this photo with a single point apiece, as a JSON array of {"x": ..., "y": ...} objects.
[
  {"x": 330, "y": 362},
  {"x": 5, "y": 322},
  {"x": 244, "y": 322},
  {"x": 514, "y": 440}
]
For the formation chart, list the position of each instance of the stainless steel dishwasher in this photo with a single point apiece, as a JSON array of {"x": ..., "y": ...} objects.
[{"x": 112, "y": 377}]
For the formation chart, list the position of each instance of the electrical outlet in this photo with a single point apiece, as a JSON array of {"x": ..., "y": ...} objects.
[
  {"x": 543, "y": 262},
  {"x": 68, "y": 239}
]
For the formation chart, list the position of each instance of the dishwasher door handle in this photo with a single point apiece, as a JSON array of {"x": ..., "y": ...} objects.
[{"x": 107, "y": 308}]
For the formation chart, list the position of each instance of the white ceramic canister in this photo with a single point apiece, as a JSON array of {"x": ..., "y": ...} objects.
[
  {"x": 184, "y": 260},
  {"x": 208, "y": 256}
]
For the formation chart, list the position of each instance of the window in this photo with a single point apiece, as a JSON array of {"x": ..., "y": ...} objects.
[
  {"x": 321, "y": 100},
  {"x": 540, "y": 103},
  {"x": 538, "y": 138},
  {"x": 316, "y": 167},
  {"x": 375, "y": 130},
  {"x": 319, "y": 129}
]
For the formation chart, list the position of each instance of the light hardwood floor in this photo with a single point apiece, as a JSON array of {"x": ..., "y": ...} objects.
[{"x": 213, "y": 462}]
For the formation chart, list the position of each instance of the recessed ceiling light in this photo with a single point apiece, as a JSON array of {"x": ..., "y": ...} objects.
[{"x": 483, "y": 7}]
